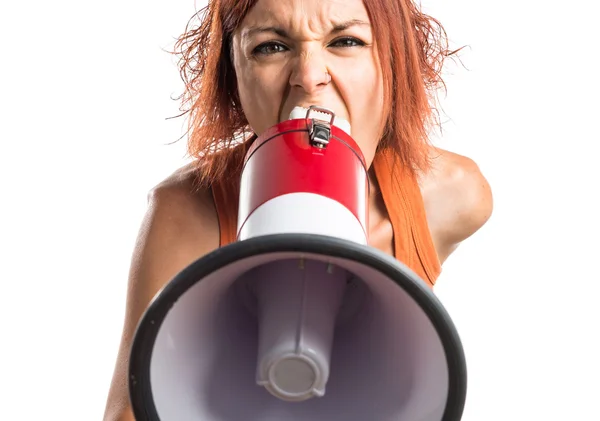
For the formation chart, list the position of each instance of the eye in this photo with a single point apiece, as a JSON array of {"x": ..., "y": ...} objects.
[
  {"x": 347, "y": 42},
  {"x": 269, "y": 48}
]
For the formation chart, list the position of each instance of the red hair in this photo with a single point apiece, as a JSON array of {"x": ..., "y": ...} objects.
[{"x": 411, "y": 48}]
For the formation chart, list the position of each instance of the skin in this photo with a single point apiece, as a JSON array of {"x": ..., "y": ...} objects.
[
  {"x": 181, "y": 225},
  {"x": 283, "y": 51}
]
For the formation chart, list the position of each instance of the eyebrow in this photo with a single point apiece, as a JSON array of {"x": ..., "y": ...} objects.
[{"x": 255, "y": 30}]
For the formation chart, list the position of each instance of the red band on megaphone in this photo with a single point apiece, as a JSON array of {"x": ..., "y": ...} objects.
[{"x": 282, "y": 161}]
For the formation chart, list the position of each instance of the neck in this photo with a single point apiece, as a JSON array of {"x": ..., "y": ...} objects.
[{"x": 375, "y": 198}]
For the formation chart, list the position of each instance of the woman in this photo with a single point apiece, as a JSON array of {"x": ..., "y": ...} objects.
[{"x": 246, "y": 66}]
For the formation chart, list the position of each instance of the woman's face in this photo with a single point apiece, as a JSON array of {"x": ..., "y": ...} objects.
[{"x": 282, "y": 53}]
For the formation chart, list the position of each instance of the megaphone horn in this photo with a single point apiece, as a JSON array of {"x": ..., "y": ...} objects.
[{"x": 300, "y": 319}]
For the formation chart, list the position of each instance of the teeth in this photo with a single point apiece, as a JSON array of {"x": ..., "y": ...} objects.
[{"x": 300, "y": 112}]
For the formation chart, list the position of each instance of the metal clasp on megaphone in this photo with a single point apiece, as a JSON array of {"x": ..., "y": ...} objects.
[{"x": 319, "y": 130}]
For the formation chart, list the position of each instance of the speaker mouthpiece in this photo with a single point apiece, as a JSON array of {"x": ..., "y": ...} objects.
[
  {"x": 301, "y": 112},
  {"x": 297, "y": 303}
]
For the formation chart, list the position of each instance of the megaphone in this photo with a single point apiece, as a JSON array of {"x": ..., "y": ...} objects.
[{"x": 299, "y": 319}]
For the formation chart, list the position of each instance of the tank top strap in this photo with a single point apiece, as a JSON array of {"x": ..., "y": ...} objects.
[
  {"x": 413, "y": 244},
  {"x": 226, "y": 197},
  {"x": 226, "y": 193}
]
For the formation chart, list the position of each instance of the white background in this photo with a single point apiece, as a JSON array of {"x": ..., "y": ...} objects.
[{"x": 85, "y": 92}]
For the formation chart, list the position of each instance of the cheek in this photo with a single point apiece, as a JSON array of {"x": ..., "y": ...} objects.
[
  {"x": 365, "y": 98},
  {"x": 260, "y": 95},
  {"x": 374, "y": 89},
  {"x": 363, "y": 87}
]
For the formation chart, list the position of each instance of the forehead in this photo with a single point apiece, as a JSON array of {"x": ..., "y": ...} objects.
[{"x": 300, "y": 16}]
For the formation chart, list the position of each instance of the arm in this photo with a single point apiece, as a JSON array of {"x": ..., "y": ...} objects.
[{"x": 178, "y": 228}]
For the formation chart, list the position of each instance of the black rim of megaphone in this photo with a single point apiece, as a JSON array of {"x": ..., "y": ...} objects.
[{"x": 141, "y": 352}]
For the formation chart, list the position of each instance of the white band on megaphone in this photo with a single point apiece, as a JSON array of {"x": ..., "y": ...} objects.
[{"x": 303, "y": 213}]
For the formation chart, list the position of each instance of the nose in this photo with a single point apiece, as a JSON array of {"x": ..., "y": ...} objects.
[{"x": 310, "y": 73}]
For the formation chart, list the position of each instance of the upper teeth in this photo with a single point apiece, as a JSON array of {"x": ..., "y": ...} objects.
[{"x": 300, "y": 112}]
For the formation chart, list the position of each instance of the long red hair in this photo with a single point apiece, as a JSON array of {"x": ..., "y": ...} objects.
[{"x": 411, "y": 46}]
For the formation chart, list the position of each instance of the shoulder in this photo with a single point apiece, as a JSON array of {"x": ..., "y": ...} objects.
[
  {"x": 180, "y": 188},
  {"x": 182, "y": 208},
  {"x": 458, "y": 199}
]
